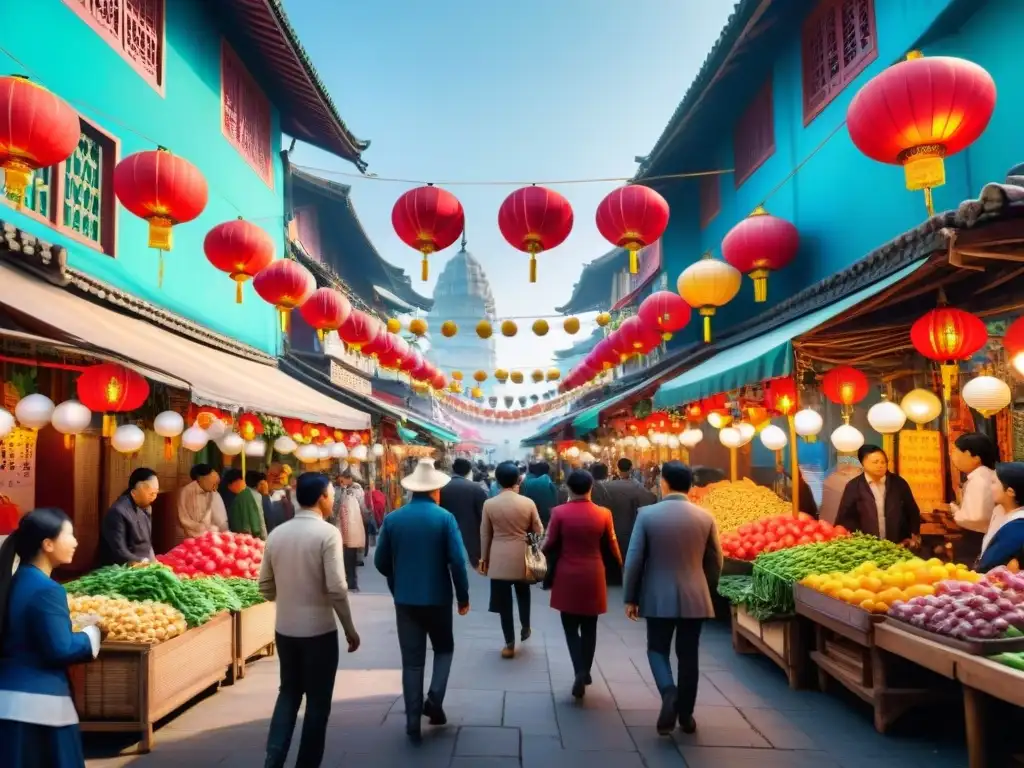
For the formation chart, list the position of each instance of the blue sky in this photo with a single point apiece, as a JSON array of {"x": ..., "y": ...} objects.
[{"x": 531, "y": 90}]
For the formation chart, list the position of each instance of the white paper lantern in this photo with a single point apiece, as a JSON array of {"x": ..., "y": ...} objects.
[
  {"x": 71, "y": 418},
  {"x": 34, "y": 411},
  {"x": 730, "y": 437},
  {"x": 378, "y": 450},
  {"x": 773, "y": 438},
  {"x": 987, "y": 395},
  {"x": 256, "y": 448},
  {"x": 194, "y": 438},
  {"x": 673, "y": 442},
  {"x": 359, "y": 453},
  {"x": 324, "y": 451},
  {"x": 747, "y": 431},
  {"x": 231, "y": 444},
  {"x": 587, "y": 457},
  {"x": 629, "y": 441},
  {"x": 127, "y": 438},
  {"x": 573, "y": 452},
  {"x": 886, "y": 418},
  {"x": 168, "y": 424},
  {"x": 7, "y": 423},
  {"x": 217, "y": 429},
  {"x": 643, "y": 443},
  {"x": 689, "y": 438},
  {"x": 659, "y": 438},
  {"x": 921, "y": 406},
  {"x": 308, "y": 454},
  {"x": 285, "y": 445},
  {"x": 338, "y": 451},
  {"x": 718, "y": 420},
  {"x": 847, "y": 439},
  {"x": 808, "y": 423},
  {"x": 594, "y": 448}
]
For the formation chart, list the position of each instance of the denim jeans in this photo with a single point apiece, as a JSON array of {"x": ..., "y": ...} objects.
[
  {"x": 415, "y": 624},
  {"x": 308, "y": 668},
  {"x": 659, "y": 649},
  {"x": 581, "y": 639}
]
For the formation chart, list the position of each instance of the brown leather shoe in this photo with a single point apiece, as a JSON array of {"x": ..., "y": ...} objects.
[{"x": 508, "y": 652}]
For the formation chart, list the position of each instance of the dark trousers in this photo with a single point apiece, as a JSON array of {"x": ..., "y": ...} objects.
[
  {"x": 416, "y": 623},
  {"x": 501, "y": 604},
  {"x": 308, "y": 668},
  {"x": 659, "y": 651},
  {"x": 581, "y": 638},
  {"x": 350, "y": 556}
]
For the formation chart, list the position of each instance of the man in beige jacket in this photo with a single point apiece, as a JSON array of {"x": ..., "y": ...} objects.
[{"x": 302, "y": 572}]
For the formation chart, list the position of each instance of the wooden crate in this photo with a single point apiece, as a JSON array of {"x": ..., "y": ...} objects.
[
  {"x": 129, "y": 687},
  {"x": 253, "y": 635},
  {"x": 780, "y": 639}
]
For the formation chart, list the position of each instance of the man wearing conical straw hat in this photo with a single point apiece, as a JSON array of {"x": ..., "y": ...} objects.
[{"x": 421, "y": 553}]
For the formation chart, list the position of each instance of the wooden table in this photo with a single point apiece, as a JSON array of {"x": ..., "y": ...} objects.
[
  {"x": 980, "y": 679},
  {"x": 780, "y": 639}
]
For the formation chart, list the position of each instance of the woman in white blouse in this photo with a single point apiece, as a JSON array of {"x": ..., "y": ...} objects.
[{"x": 975, "y": 455}]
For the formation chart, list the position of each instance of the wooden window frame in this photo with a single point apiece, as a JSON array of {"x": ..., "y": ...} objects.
[
  {"x": 157, "y": 82},
  {"x": 266, "y": 174},
  {"x": 710, "y": 198},
  {"x": 54, "y": 218},
  {"x": 845, "y": 77},
  {"x": 760, "y": 109}
]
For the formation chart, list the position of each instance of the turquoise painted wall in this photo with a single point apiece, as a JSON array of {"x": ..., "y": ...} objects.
[
  {"x": 59, "y": 50},
  {"x": 844, "y": 204}
]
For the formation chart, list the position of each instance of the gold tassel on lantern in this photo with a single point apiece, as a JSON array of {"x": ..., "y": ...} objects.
[
  {"x": 285, "y": 319},
  {"x": 109, "y": 425},
  {"x": 69, "y": 442},
  {"x": 707, "y": 313},
  {"x": 634, "y": 259},
  {"x": 168, "y": 448}
]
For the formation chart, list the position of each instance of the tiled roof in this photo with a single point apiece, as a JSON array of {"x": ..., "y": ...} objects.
[
  {"x": 593, "y": 290},
  {"x": 307, "y": 111}
]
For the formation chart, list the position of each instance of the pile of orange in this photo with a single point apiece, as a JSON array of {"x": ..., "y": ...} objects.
[{"x": 875, "y": 589}]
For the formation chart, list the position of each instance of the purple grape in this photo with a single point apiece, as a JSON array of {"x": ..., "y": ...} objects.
[
  {"x": 989, "y": 611},
  {"x": 1004, "y": 605},
  {"x": 1000, "y": 625},
  {"x": 961, "y": 611}
]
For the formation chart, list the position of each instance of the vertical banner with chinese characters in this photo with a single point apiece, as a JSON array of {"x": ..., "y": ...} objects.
[
  {"x": 18, "y": 468},
  {"x": 921, "y": 465}
]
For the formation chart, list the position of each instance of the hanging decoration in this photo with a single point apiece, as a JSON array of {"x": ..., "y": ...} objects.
[
  {"x": 7, "y": 423},
  {"x": 516, "y": 377},
  {"x": 168, "y": 424},
  {"x": 847, "y": 438},
  {"x": 707, "y": 285},
  {"x": 780, "y": 395},
  {"x": 665, "y": 311},
  {"x": 476, "y": 393},
  {"x": 509, "y": 401},
  {"x": 632, "y": 217},
  {"x": 111, "y": 388},
  {"x": 484, "y": 329},
  {"x": 394, "y": 325},
  {"x": 428, "y": 219},
  {"x": 457, "y": 375},
  {"x": 418, "y": 326},
  {"x": 239, "y": 248},
  {"x": 808, "y": 424},
  {"x": 540, "y": 327},
  {"x": 987, "y": 395},
  {"x": 34, "y": 411},
  {"x": 919, "y": 111},
  {"x": 501, "y": 375},
  {"x": 127, "y": 439},
  {"x": 773, "y": 438},
  {"x": 194, "y": 439},
  {"x": 886, "y": 418},
  {"x": 38, "y": 130},
  {"x": 249, "y": 426},
  {"x": 359, "y": 329},
  {"x": 535, "y": 219},
  {"x": 285, "y": 284},
  {"x": 231, "y": 444},
  {"x": 449, "y": 329},
  {"x": 948, "y": 336},
  {"x": 921, "y": 406},
  {"x": 553, "y": 374},
  {"x": 509, "y": 328},
  {"x": 571, "y": 325},
  {"x": 70, "y": 418},
  {"x": 760, "y": 244},
  {"x": 845, "y": 386},
  {"x": 285, "y": 445},
  {"x": 603, "y": 318},
  {"x": 164, "y": 190},
  {"x": 480, "y": 377},
  {"x": 537, "y": 376},
  {"x": 325, "y": 311}
]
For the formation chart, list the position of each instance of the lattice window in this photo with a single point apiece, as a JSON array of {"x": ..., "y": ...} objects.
[
  {"x": 753, "y": 139},
  {"x": 710, "y": 198},
  {"x": 38, "y": 193},
  {"x": 838, "y": 43},
  {"x": 245, "y": 114},
  {"x": 83, "y": 189},
  {"x": 135, "y": 28}
]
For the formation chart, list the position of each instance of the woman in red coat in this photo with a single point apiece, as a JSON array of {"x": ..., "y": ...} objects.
[{"x": 581, "y": 535}]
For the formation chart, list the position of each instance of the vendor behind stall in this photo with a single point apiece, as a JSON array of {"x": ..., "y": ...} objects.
[
  {"x": 126, "y": 535},
  {"x": 974, "y": 454},
  {"x": 200, "y": 507},
  {"x": 1005, "y": 540},
  {"x": 878, "y": 502}
]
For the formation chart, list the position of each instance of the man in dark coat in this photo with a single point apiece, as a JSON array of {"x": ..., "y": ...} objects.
[
  {"x": 623, "y": 496},
  {"x": 465, "y": 500},
  {"x": 541, "y": 489},
  {"x": 126, "y": 533}
]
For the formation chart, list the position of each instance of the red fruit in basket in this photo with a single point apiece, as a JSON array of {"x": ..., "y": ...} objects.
[
  {"x": 740, "y": 553},
  {"x": 805, "y": 539},
  {"x": 841, "y": 531},
  {"x": 209, "y": 566},
  {"x": 789, "y": 540}
]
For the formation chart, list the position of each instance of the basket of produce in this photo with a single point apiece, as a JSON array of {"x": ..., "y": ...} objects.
[
  {"x": 778, "y": 532},
  {"x": 216, "y": 554},
  {"x": 733, "y": 504},
  {"x": 982, "y": 617},
  {"x": 128, "y": 621},
  {"x": 775, "y": 573}
]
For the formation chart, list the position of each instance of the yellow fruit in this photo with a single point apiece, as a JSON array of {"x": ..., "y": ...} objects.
[
  {"x": 871, "y": 583},
  {"x": 951, "y": 568},
  {"x": 880, "y": 607},
  {"x": 831, "y": 587},
  {"x": 846, "y": 595},
  {"x": 891, "y": 595},
  {"x": 850, "y": 582},
  {"x": 867, "y": 605},
  {"x": 938, "y": 573},
  {"x": 862, "y": 595},
  {"x": 933, "y": 561},
  {"x": 919, "y": 590}
]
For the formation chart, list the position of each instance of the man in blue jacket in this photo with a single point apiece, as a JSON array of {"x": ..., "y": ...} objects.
[
  {"x": 420, "y": 552},
  {"x": 540, "y": 488}
]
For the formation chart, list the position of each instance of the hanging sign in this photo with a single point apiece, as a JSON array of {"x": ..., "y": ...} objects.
[{"x": 18, "y": 468}]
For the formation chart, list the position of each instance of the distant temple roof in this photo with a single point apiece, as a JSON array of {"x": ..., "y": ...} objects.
[
  {"x": 464, "y": 276},
  {"x": 581, "y": 347},
  {"x": 593, "y": 291},
  {"x": 280, "y": 63},
  {"x": 363, "y": 269}
]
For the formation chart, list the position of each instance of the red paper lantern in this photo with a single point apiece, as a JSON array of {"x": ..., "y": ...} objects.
[
  {"x": 402, "y": 352},
  {"x": 632, "y": 217},
  {"x": 1013, "y": 343},
  {"x": 780, "y": 395},
  {"x": 605, "y": 354},
  {"x": 240, "y": 248},
  {"x": 359, "y": 329},
  {"x": 947, "y": 335},
  {"x": 38, "y": 129},
  {"x": 111, "y": 388},
  {"x": 286, "y": 284},
  {"x": 535, "y": 219},
  {"x": 428, "y": 219},
  {"x": 439, "y": 382},
  {"x": 634, "y": 337},
  {"x": 665, "y": 311},
  {"x": 293, "y": 428},
  {"x": 919, "y": 111},
  {"x": 325, "y": 311},
  {"x": 249, "y": 426},
  {"x": 845, "y": 385},
  {"x": 760, "y": 244},
  {"x": 164, "y": 190},
  {"x": 380, "y": 348}
]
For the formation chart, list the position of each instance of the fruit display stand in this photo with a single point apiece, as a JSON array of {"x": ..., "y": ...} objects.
[
  {"x": 253, "y": 635},
  {"x": 846, "y": 651},
  {"x": 129, "y": 687},
  {"x": 982, "y": 678},
  {"x": 781, "y": 639}
]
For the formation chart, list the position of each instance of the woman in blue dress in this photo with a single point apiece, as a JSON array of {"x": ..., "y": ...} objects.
[
  {"x": 38, "y": 721},
  {"x": 1005, "y": 538}
]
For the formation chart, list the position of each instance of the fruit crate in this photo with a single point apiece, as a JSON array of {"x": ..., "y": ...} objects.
[
  {"x": 253, "y": 635},
  {"x": 970, "y": 647},
  {"x": 814, "y": 605},
  {"x": 781, "y": 639},
  {"x": 129, "y": 686}
]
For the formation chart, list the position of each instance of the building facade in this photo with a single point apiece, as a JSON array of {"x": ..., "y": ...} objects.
[{"x": 217, "y": 84}]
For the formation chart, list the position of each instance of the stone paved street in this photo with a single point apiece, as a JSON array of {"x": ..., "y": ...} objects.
[{"x": 506, "y": 714}]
